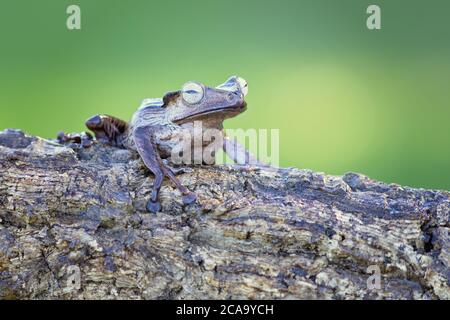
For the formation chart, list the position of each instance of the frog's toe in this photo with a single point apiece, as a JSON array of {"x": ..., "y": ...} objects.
[
  {"x": 153, "y": 207},
  {"x": 189, "y": 198}
]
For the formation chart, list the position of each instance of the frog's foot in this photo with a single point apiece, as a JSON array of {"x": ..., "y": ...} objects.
[
  {"x": 84, "y": 138},
  {"x": 189, "y": 198},
  {"x": 153, "y": 206},
  {"x": 107, "y": 129}
]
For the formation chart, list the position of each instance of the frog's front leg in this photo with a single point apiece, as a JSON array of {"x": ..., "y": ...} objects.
[
  {"x": 143, "y": 138},
  {"x": 239, "y": 154}
]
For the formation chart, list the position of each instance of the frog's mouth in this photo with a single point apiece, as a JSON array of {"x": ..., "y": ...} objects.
[{"x": 223, "y": 112}]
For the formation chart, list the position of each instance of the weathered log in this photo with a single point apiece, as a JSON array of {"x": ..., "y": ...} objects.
[{"x": 73, "y": 225}]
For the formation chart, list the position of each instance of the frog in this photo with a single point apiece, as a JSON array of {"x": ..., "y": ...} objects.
[{"x": 156, "y": 127}]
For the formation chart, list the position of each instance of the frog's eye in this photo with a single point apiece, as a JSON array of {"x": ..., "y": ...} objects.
[
  {"x": 192, "y": 92},
  {"x": 243, "y": 84}
]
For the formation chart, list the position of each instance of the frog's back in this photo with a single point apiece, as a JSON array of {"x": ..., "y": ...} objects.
[{"x": 150, "y": 113}]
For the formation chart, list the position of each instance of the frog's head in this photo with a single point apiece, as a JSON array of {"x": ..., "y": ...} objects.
[{"x": 196, "y": 101}]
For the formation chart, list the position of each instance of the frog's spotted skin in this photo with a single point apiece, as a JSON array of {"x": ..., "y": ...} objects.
[{"x": 157, "y": 121}]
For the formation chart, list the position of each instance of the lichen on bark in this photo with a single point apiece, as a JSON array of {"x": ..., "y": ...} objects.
[{"x": 73, "y": 225}]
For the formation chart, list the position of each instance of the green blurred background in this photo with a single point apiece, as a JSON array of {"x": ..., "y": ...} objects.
[{"x": 344, "y": 98}]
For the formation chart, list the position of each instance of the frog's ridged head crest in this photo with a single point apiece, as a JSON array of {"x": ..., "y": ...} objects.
[{"x": 196, "y": 101}]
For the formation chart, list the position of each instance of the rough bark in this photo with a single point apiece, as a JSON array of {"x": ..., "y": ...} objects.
[{"x": 253, "y": 233}]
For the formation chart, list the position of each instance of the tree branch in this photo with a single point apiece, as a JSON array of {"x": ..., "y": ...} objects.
[{"x": 73, "y": 225}]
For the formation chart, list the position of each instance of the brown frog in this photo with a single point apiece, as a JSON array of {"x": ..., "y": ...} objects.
[{"x": 156, "y": 127}]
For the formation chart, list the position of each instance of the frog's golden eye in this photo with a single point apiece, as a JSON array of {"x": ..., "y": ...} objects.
[
  {"x": 192, "y": 92},
  {"x": 243, "y": 84}
]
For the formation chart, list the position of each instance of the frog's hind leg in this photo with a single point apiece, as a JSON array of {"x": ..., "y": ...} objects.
[
  {"x": 107, "y": 129},
  {"x": 188, "y": 196},
  {"x": 176, "y": 170},
  {"x": 148, "y": 151}
]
